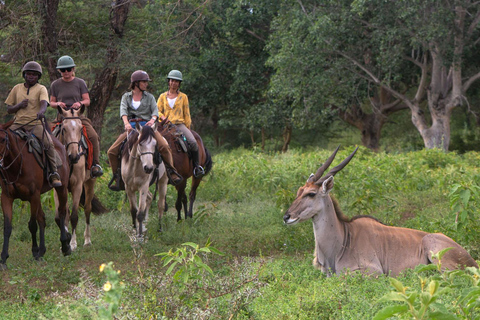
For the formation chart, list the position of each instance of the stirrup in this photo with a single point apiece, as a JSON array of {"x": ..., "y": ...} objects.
[
  {"x": 98, "y": 173},
  {"x": 54, "y": 179},
  {"x": 198, "y": 172}
]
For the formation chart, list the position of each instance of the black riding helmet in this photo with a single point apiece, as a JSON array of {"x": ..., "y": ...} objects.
[{"x": 32, "y": 66}]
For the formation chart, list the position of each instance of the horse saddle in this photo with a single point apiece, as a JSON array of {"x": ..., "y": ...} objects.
[{"x": 35, "y": 146}]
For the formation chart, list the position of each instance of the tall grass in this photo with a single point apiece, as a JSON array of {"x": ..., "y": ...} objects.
[{"x": 266, "y": 271}]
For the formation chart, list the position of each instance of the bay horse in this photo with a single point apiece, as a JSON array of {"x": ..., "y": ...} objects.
[
  {"x": 184, "y": 166},
  {"x": 23, "y": 178},
  {"x": 138, "y": 170},
  {"x": 81, "y": 184}
]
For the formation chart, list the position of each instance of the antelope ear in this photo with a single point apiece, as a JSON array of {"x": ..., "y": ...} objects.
[{"x": 327, "y": 185}]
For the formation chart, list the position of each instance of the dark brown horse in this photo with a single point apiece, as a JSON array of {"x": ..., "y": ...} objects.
[
  {"x": 21, "y": 177},
  {"x": 184, "y": 167}
]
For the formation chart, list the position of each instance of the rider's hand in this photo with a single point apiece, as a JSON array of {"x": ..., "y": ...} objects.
[
  {"x": 23, "y": 104},
  {"x": 61, "y": 105},
  {"x": 76, "y": 105},
  {"x": 150, "y": 123},
  {"x": 128, "y": 127},
  {"x": 40, "y": 115}
]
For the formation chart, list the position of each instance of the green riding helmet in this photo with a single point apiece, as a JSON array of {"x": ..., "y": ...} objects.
[
  {"x": 32, "y": 66},
  {"x": 175, "y": 74},
  {"x": 65, "y": 62}
]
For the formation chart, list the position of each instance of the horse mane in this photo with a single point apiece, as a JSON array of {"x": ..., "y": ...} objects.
[
  {"x": 342, "y": 217},
  {"x": 146, "y": 133},
  {"x": 131, "y": 140}
]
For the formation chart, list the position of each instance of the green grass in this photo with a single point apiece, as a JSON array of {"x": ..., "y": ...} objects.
[{"x": 266, "y": 272}]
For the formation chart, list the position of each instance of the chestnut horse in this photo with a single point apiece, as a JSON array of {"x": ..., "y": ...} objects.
[
  {"x": 23, "y": 178},
  {"x": 184, "y": 166},
  {"x": 81, "y": 185}
]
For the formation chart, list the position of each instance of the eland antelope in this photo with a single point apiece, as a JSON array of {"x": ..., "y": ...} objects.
[{"x": 363, "y": 243}]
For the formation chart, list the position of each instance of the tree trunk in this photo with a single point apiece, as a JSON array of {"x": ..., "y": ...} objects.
[
  {"x": 48, "y": 11},
  {"x": 287, "y": 137},
  {"x": 370, "y": 125},
  {"x": 105, "y": 80},
  {"x": 263, "y": 138}
]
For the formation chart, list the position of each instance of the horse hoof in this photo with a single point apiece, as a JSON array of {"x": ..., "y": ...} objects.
[
  {"x": 3, "y": 267},
  {"x": 67, "y": 251}
]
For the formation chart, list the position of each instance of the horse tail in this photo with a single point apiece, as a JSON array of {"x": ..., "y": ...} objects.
[
  {"x": 97, "y": 207},
  {"x": 208, "y": 161}
]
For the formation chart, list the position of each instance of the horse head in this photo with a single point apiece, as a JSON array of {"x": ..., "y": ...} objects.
[
  {"x": 145, "y": 147},
  {"x": 72, "y": 133}
]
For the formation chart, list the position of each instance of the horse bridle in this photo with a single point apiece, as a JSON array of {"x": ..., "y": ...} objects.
[
  {"x": 4, "y": 169},
  {"x": 81, "y": 150}
]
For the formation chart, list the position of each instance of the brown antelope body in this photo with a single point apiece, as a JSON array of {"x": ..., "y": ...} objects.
[{"x": 363, "y": 243}]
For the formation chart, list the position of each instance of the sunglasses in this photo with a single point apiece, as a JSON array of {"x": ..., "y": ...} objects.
[{"x": 66, "y": 70}]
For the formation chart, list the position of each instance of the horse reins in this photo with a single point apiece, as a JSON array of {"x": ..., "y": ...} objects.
[{"x": 3, "y": 169}]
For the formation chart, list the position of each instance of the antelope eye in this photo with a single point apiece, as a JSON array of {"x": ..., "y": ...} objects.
[{"x": 311, "y": 194}]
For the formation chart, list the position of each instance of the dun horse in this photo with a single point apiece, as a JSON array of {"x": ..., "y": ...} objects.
[
  {"x": 23, "y": 178},
  {"x": 362, "y": 243},
  {"x": 81, "y": 185},
  {"x": 184, "y": 167},
  {"x": 137, "y": 169}
]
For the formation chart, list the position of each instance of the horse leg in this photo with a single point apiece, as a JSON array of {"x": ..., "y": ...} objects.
[
  {"x": 32, "y": 227},
  {"x": 145, "y": 199},
  {"x": 89, "y": 192},
  {"x": 181, "y": 198},
  {"x": 162, "y": 196},
  {"x": 37, "y": 219},
  {"x": 193, "y": 195},
  {"x": 7, "y": 228},
  {"x": 132, "y": 198},
  {"x": 76, "y": 191},
  {"x": 60, "y": 217}
]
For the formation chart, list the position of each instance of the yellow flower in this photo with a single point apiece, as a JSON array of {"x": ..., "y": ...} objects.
[
  {"x": 107, "y": 286},
  {"x": 102, "y": 267}
]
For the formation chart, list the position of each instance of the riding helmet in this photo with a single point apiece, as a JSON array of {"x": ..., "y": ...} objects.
[
  {"x": 65, "y": 62},
  {"x": 175, "y": 74},
  {"x": 139, "y": 75},
  {"x": 32, "y": 66}
]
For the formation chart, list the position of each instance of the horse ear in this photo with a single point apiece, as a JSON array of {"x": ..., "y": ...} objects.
[
  {"x": 154, "y": 127},
  {"x": 138, "y": 126}
]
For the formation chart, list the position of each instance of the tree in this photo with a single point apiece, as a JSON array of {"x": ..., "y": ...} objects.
[{"x": 393, "y": 45}]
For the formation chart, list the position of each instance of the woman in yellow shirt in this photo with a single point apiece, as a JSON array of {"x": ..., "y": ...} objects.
[{"x": 173, "y": 105}]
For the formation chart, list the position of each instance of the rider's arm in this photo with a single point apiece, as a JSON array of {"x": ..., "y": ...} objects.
[
  {"x": 43, "y": 108},
  {"x": 13, "y": 109}
]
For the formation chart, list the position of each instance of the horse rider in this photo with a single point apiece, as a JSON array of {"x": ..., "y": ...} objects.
[
  {"x": 140, "y": 104},
  {"x": 72, "y": 92},
  {"x": 29, "y": 101},
  {"x": 173, "y": 104}
]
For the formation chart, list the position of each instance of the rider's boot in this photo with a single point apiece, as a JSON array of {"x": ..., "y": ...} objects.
[
  {"x": 54, "y": 179},
  {"x": 96, "y": 171},
  {"x": 114, "y": 184},
  {"x": 173, "y": 176},
  {"x": 198, "y": 170}
]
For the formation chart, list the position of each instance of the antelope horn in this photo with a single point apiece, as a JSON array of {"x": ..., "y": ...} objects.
[
  {"x": 324, "y": 167},
  {"x": 336, "y": 169}
]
